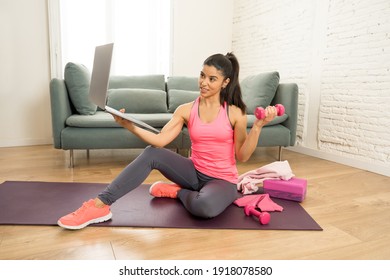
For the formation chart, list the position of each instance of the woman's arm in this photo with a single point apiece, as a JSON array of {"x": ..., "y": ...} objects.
[
  {"x": 168, "y": 133},
  {"x": 246, "y": 143}
]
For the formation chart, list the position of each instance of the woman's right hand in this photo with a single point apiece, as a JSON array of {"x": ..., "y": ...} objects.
[{"x": 121, "y": 121}]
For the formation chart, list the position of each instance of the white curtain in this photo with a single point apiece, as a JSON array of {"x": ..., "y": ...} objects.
[{"x": 140, "y": 31}]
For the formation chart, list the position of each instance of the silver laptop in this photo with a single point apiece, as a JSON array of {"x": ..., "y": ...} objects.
[{"x": 98, "y": 88}]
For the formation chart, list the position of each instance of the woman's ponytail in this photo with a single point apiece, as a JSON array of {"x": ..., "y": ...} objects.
[{"x": 233, "y": 89}]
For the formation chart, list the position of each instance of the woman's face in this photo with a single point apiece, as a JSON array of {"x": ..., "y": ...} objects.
[{"x": 211, "y": 81}]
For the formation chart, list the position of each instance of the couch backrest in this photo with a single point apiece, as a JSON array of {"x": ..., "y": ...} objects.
[
  {"x": 138, "y": 100},
  {"x": 143, "y": 82},
  {"x": 138, "y": 94},
  {"x": 257, "y": 90},
  {"x": 152, "y": 94},
  {"x": 181, "y": 90}
]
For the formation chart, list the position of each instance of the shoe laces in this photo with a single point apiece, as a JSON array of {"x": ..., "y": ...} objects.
[{"x": 81, "y": 210}]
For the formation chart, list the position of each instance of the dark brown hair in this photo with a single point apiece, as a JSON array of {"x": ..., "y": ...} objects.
[{"x": 230, "y": 68}]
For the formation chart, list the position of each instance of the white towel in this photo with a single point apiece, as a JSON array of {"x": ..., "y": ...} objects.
[{"x": 249, "y": 182}]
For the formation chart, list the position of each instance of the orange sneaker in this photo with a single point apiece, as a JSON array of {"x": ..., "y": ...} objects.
[
  {"x": 161, "y": 189},
  {"x": 87, "y": 214}
]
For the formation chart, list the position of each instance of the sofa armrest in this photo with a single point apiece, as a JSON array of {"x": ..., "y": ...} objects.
[
  {"x": 60, "y": 108},
  {"x": 287, "y": 94}
]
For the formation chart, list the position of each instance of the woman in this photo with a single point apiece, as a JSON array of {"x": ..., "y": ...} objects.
[{"x": 205, "y": 183}]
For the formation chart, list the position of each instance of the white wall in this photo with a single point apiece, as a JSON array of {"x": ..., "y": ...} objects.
[
  {"x": 24, "y": 73},
  {"x": 338, "y": 53},
  {"x": 201, "y": 28}
]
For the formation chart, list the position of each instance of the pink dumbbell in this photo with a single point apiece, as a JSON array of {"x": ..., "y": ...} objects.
[
  {"x": 264, "y": 217},
  {"x": 260, "y": 112}
]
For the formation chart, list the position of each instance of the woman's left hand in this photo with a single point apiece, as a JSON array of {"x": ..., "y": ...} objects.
[{"x": 270, "y": 114}]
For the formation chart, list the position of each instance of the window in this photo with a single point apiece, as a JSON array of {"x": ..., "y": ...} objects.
[{"x": 140, "y": 31}]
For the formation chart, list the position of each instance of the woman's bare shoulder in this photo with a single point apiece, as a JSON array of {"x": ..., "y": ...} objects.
[{"x": 184, "y": 110}]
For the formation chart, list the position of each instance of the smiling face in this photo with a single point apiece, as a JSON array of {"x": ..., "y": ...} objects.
[{"x": 211, "y": 81}]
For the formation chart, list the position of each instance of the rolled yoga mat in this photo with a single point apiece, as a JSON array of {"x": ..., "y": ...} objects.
[{"x": 43, "y": 203}]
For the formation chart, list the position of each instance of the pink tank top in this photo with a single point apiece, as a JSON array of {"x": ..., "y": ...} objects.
[{"x": 212, "y": 150}]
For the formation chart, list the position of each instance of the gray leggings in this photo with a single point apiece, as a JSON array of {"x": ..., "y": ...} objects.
[{"x": 201, "y": 195}]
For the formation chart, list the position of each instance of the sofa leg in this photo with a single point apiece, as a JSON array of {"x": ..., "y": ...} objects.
[
  {"x": 280, "y": 153},
  {"x": 87, "y": 153},
  {"x": 71, "y": 159}
]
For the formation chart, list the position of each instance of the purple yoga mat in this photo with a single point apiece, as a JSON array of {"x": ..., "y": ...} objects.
[{"x": 42, "y": 203}]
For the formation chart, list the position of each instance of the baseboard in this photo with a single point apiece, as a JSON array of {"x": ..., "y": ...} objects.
[
  {"x": 25, "y": 142},
  {"x": 368, "y": 166}
]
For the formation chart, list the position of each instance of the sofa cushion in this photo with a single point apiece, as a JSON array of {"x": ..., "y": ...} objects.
[
  {"x": 103, "y": 120},
  {"x": 181, "y": 89},
  {"x": 177, "y": 97},
  {"x": 277, "y": 120},
  {"x": 138, "y": 100},
  {"x": 183, "y": 83},
  {"x": 259, "y": 90},
  {"x": 77, "y": 79},
  {"x": 146, "y": 82}
]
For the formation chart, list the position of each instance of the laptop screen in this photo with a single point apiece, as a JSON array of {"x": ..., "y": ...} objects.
[{"x": 101, "y": 74}]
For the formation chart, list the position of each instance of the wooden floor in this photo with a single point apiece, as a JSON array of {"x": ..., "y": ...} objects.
[{"x": 351, "y": 205}]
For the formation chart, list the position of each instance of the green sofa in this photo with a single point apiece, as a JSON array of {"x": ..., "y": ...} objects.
[{"x": 79, "y": 125}]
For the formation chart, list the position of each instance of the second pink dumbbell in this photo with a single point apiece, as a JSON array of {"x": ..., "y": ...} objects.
[
  {"x": 264, "y": 217},
  {"x": 260, "y": 111}
]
